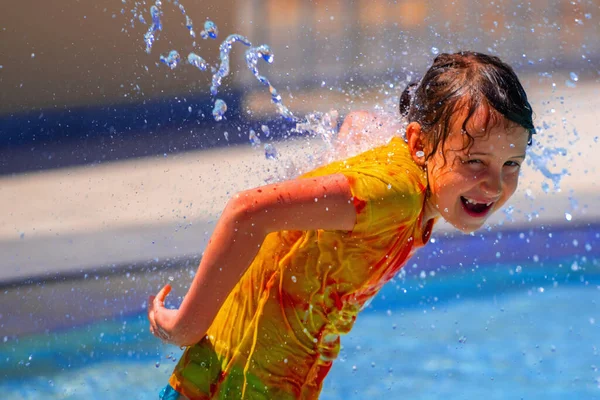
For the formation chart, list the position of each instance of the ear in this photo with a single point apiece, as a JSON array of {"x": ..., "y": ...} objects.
[{"x": 416, "y": 142}]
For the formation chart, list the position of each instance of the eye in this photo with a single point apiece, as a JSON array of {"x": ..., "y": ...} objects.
[
  {"x": 512, "y": 164},
  {"x": 473, "y": 162}
]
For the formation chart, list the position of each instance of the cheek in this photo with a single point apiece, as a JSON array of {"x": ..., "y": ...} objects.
[{"x": 511, "y": 184}]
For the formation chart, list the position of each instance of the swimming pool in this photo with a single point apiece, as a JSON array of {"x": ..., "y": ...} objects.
[{"x": 493, "y": 326}]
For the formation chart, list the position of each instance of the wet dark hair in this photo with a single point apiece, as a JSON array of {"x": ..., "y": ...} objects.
[{"x": 465, "y": 80}]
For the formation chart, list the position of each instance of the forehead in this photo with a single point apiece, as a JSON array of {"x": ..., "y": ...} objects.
[{"x": 486, "y": 124}]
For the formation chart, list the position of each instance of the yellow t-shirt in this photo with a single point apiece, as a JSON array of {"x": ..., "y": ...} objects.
[{"x": 278, "y": 332}]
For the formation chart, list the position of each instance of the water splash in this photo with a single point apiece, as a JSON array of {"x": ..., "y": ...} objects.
[
  {"x": 210, "y": 30},
  {"x": 224, "y": 50},
  {"x": 156, "y": 26},
  {"x": 172, "y": 59},
  {"x": 323, "y": 125},
  {"x": 188, "y": 21},
  {"x": 540, "y": 162},
  {"x": 252, "y": 56},
  {"x": 219, "y": 109},
  {"x": 197, "y": 61}
]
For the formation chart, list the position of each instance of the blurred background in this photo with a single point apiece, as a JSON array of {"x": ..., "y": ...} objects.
[
  {"x": 113, "y": 170},
  {"x": 76, "y": 75}
]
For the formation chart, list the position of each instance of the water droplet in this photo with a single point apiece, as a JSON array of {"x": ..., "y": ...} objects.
[
  {"x": 189, "y": 24},
  {"x": 171, "y": 278},
  {"x": 568, "y": 216},
  {"x": 172, "y": 59},
  {"x": 156, "y": 26},
  {"x": 157, "y": 364},
  {"x": 210, "y": 30},
  {"x": 435, "y": 51},
  {"x": 265, "y": 130},
  {"x": 545, "y": 187},
  {"x": 270, "y": 152},
  {"x": 219, "y": 109},
  {"x": 224, "y": 50},
  {"x": 294, "y": 278},
  {"x": 518, "y": 269},
  {"x": 575, "y": 266},
  {"x": 252, "y": 56},
  {"x": 573, "y": 76},
  {"x": 226, "y": 134},
  {"x": 253, "y": 137},
  {"x": 197, "y": 61}
]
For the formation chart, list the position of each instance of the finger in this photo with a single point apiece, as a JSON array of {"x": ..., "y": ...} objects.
[
  {"x": 152, "y": 321},
  {"x": 151, "y": 316},
  {"x": 162, "y": 295},
  {"x": 151, "y": 302}
]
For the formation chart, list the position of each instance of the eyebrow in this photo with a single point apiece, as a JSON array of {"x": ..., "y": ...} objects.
[{"x": 489, "y": 154}]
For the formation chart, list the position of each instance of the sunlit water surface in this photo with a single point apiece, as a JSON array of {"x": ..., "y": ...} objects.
[{"x": 496, "y": 332}]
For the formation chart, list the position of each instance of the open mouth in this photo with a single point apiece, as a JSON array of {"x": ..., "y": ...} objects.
[{"x": 474, "y": 208}]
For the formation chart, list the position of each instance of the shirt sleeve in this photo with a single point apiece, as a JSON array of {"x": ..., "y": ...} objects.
[{"x": 382, "y": 204}]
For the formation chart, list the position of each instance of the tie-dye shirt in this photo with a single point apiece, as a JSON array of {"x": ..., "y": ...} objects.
[{"x": 278, "y": 332}]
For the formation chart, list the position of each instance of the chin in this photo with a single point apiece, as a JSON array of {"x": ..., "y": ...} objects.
[{"x": 466, "y": 228}]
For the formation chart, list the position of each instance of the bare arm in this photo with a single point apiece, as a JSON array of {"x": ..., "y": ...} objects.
[{"x": 301, "y": 204}]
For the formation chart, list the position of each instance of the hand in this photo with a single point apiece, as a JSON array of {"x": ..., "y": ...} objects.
[{"x": 162, "y": 320}]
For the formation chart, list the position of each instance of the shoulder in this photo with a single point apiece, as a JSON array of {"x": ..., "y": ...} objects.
[{"x": 388, "y": 188}]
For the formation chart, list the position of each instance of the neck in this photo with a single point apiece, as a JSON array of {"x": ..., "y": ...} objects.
[{"x": 430, "y": 211}]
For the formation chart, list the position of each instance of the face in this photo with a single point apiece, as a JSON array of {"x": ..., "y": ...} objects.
[{"x": 472, "y": 183}]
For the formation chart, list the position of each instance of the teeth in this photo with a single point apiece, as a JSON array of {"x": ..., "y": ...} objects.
[{"x": 474, "y": 202}]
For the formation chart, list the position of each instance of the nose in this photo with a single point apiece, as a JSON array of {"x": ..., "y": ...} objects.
[{"x": 492, "y": 186}]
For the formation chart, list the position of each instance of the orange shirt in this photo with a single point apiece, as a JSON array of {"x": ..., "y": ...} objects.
[{"x": 278, "y": 332}]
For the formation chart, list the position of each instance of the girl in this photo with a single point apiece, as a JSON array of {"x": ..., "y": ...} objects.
[{"x": 290, "y": 265}]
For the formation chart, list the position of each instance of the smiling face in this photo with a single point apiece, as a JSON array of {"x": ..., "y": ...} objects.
[{"x": 468, "y": 184}]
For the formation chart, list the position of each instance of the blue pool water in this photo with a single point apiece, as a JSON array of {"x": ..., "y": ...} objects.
[{"x": 500, "y": 331}]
